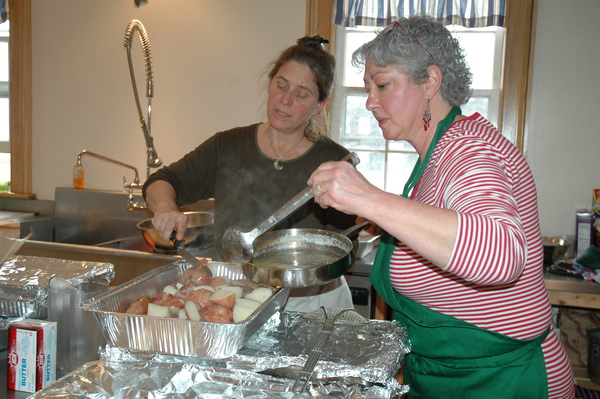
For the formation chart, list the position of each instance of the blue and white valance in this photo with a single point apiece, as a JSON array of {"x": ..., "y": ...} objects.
[
  {"x": 3, "y": 10},
  {"x": 468, "y": 13}
]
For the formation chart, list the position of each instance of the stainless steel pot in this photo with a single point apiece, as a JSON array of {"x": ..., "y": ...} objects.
[
  {"x": 297, "y": 258},
  {"x": 199, "y": 228}
]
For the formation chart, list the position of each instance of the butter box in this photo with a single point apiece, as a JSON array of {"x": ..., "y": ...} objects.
[{"x": 31, "y": 355}]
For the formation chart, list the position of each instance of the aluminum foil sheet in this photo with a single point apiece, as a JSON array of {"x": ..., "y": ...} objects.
[
  {"x": 102, "y": 379},
  {"x": 169, "y": 335},
  {"x": 374, "y": 353},
  {"x": 369, "y": 352}
]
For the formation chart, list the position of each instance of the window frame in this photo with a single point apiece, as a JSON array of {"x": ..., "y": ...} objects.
[
  {"x": 517, "y": 69},
  {"x": 4, "y": 145},
  {"x": 20, "y": 78},
  {"x": 516, "y": 65}
]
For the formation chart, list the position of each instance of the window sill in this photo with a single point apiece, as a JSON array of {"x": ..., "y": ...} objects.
[{"x": 18, "y": 195}]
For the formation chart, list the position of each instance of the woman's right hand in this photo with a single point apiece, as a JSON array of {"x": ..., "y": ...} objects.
[
  {"x": 168, "y": 219},
  {"x": 160, "y": 198}
]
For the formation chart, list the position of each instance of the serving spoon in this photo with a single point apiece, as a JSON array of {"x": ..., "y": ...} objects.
[{"x": 237, "y": 244}]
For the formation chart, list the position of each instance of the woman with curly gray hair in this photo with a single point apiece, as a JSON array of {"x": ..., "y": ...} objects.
[{"x": 461, "y": 259}]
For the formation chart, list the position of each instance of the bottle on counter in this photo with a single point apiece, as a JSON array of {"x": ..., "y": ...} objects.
[{"x": 78, "y": 176}]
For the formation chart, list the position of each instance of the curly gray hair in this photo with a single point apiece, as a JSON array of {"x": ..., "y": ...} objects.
[{"x": 415, "y": 43}]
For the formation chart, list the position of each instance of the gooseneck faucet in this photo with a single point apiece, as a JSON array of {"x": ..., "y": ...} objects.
[
  {"x": 136, "y": 26},
  {"x": 127, "y": 187}
]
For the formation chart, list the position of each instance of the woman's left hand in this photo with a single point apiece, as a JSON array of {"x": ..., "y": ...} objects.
[{"x": 339, "y": 185}]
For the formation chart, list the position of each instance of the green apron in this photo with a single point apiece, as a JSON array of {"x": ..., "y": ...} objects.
[{"x": 452, "y": 358}]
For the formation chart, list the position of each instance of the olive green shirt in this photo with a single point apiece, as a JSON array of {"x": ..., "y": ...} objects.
[{"x": 246, "y": 187}]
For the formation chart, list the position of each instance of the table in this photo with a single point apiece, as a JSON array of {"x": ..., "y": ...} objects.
[{"x": 575, "y": 292}]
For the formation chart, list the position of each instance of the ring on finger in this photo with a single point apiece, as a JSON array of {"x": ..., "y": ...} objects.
[{"x": 319, "y": 192}]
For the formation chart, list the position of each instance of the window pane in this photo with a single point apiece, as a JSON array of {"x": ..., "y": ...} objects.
[
  {"x": 400, "y": 166},
  {"x": 400, "y": 146},
  {"x": 372, "y": 166},
  {"x": 479, "y": 45},
  {"x": 477, "y": 104},
  {"x": 4, "y": 121},
  {"x": 4, "y": 167},
  {"x": 3, "y": 61},
  {"x": 360, "y": 128},
  {"x": 353, "y": 77}
]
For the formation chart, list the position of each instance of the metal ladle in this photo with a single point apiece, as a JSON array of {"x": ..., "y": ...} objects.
[{"x": 237, "y": 245}]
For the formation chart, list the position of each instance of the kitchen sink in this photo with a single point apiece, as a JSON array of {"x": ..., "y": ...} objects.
[{"x": 128, "y": 264}]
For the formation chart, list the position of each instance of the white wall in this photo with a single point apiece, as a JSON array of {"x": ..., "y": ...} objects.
[
  {"x": 208, "y": 58},
  {"x": 563, "y": 145}
]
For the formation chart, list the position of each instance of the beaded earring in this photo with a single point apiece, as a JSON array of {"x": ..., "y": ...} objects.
[{"x": 427, "y": 116}]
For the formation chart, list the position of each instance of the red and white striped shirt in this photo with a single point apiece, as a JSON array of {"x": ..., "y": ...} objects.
[{"x": 494, "y": 278}]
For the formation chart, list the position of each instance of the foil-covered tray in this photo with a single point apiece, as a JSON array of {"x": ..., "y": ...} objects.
[
  {"x": 24, "y": 285},
  {"x": 169, "y": 335}
]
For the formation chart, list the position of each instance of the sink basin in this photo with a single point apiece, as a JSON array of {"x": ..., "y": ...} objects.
[{"x": 129, "y": 264}]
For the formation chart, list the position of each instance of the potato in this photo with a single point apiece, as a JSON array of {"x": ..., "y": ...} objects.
[
  {"x": 217, "y": 281},
  {"x": 169, "y": 289},
  {"x": 172, "y": 301},
  {"x": 158, "y": 310},
  {"x": 192, "y": 311},
  {"x": 159, "y": 298},
  {"x": 216, "y": 314},
  {"x": 200, "y": 297},
  {"x": 187, "y": 288},
  {"x": 139, "y": 306},
  {"x": 260, "y": 294},
  {"x": 247, "y": 285},
  {"x": 200, "y": 277},
  {"x": 223, "y": 298},
  {"x": 182, "y": 314},
  {"x": 237, "y": 290},
  {"x": 243, "y": 309},
  {"x": 204, "y": 287},
  {"x": 248, "y": 303}
]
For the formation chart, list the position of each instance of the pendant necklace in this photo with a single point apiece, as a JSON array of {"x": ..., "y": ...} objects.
[{"x": 279, "y": 157}]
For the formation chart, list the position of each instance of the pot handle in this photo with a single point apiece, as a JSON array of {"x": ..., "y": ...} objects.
[{"x": 354, "y": 230}]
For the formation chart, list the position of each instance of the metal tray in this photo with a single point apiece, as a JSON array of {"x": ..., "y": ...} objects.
[{"x": 169, "y": 335}]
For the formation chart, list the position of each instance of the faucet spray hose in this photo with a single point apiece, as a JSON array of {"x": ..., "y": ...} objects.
[
  {"x": 133, "y": 26},
  {"x": 136, "y": 25}
]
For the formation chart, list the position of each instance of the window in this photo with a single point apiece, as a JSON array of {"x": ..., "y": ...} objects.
[
  {"x": 4, "y": 106},
  {"x": 388, "y": 164}
]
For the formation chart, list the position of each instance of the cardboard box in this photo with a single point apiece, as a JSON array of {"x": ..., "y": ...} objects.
[{"x": 31, "y": 355}]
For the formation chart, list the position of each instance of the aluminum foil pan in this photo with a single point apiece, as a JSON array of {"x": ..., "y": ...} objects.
[{"x": 169, "y": 335}]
